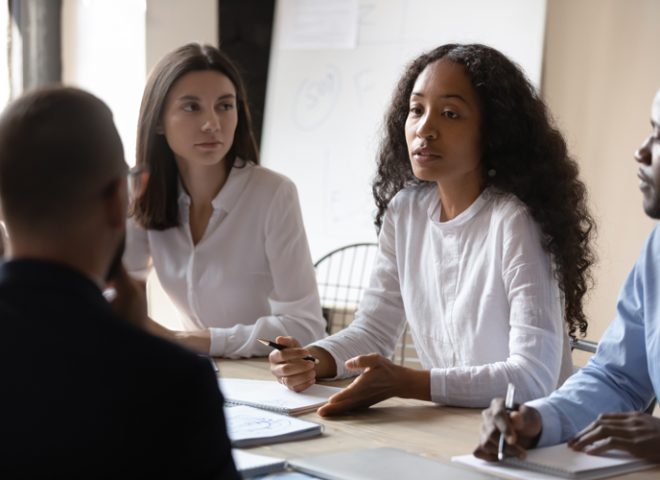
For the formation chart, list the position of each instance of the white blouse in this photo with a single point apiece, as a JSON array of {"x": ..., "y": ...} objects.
[
  {"x": 478, "y": 293},
  {"x": 250, "y": 276}
]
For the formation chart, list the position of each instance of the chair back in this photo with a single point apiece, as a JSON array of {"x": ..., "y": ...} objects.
[{"x": 342, "y": 276}]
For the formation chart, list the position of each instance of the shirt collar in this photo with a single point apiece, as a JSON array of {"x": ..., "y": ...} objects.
[
  {"x": 464, "y": 217},
  {"x": 230, "y": 191}
]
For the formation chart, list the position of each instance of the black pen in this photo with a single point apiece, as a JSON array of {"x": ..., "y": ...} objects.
[
  {"x": 508, "y": 404},
  {"x": 279, "y": 346}
]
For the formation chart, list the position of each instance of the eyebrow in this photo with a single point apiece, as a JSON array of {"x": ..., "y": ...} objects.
[
  {"x": 448, "y": 95},
  {"x": 184, "y": 98}
]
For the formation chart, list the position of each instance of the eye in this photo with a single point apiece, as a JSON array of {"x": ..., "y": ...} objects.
[
  {"x": 190, "y": 107},
  {"x": 415, "y": 110},
  {"x": 225, "y": 106},
  {"x": 450, "y": 114}
]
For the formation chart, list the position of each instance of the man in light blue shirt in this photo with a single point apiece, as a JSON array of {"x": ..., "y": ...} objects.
[{"x": 600, "y": 407}]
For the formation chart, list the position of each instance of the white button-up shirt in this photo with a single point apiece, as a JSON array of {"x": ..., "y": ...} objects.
[
  {"x": 250, "y": 276},
  {"x": 478, "y": 292}
]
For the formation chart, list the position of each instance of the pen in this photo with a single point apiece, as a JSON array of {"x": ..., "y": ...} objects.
[
  {"x": 278, "y": 346},
  {"x": 508, "y": 404},
  {"x": 210, "y": 359}
]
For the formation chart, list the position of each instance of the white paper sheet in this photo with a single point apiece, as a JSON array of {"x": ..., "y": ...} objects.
[{"x": 319, "y": 24}]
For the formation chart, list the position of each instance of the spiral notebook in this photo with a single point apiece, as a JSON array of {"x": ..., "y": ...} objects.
[
  {"x": 249, "y": 426},
  {"x": 560, "y": 461},
  {"x": 270, "y": 395}
]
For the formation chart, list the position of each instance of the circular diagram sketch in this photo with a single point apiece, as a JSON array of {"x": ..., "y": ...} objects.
[{"x": 315, "y": 99}]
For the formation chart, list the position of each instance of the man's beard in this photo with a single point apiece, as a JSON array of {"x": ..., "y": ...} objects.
[{"x": 115, "y": 265}]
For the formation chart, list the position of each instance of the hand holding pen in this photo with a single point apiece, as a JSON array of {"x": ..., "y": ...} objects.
[
  {"x": 279, "y": 346},
  {"x": 508, "y": 405},
  {"x": 292, "y": 365},
  {"x": 508, "y": 430}
]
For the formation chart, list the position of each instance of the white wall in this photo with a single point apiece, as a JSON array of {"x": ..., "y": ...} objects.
[
  {"x": 103, "y": 51},
  {"x": 602, "y": 70},
  {"x": 172, "y": 23}
]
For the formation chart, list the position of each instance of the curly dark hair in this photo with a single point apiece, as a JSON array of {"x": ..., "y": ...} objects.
[{"x": 518, "y": 141}]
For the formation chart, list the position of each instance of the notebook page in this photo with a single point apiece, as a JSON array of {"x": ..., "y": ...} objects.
[
  {"x": 559, "y": 460},
  {"x": 249, "y": 426},
  {"x": 270, "y": 395},
  {"x": 562, "y": 458}
]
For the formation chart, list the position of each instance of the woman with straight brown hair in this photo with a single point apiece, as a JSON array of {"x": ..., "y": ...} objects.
[{"x": 224, "y": 235}]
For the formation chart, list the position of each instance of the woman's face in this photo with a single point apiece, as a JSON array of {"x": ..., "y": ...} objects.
[
  {"x": 443, "y": 125},
  {"x": 200, "y": 117}
]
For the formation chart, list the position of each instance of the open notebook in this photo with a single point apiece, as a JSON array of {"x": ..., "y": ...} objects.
[
  {"x": 249, "y": 426},
  {"x": 559, "y": 461},
  {"x": 270, "y": 395}
]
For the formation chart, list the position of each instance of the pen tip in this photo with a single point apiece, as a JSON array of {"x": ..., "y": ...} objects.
[{"x": 261, "y": 340}]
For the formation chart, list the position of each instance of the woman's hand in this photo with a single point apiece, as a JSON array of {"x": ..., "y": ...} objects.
[
  {"x": 291, "y": 369},
  {"x": 635, "y": 432},
  {"x": 380, "y": 380},
  {"x": 198, "y": 341},
  {"x": 521, "y": 429},
  {"x": 295, "y": 372}
]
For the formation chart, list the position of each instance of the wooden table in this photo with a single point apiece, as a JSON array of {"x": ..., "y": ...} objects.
[{"x": 413, "y": 425}]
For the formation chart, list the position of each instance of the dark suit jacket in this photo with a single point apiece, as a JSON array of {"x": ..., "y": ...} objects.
[{"x": 84, "y": 394}]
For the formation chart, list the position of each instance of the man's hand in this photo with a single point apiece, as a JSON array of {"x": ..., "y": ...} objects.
[
  {"x": 129, "y": 300},
  {"x": 521, "y": 429},
  {"x": 635, "y": 432},
  {"x": 380, "y": 380}
]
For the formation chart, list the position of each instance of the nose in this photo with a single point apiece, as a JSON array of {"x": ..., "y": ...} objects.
[
  {"x": 211, "y": 123},
  {"x": 426, "y": 128},
  {"x": 643, "y": 153}
]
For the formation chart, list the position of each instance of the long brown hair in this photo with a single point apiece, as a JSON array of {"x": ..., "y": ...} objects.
[
  {"x": 520, "y": 143},
  {"x": 157, "y": 207}
]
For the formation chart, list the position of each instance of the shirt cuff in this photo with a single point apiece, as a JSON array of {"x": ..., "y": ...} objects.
[
  {"x": 438, "y": 385},
  {"x": 331, "y": 348},
  {"x": 550, "y": 421},
  {"x": 218, "y": 342}
]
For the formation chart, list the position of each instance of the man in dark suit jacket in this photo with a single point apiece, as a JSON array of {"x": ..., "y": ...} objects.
[{"x": 85, "y": 392}]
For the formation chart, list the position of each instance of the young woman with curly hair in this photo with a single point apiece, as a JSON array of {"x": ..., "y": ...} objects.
[{"x": 484, "y": 245}]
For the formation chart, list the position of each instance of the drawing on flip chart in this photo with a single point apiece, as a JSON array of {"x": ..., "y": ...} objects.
[{"x": 316, "y": 98}]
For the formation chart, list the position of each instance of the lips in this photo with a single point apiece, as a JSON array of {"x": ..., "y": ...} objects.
[
  {"x": 644, "y": 177},
  {"x": 423, "y": 155},
  {"x": 212, "y": 144},
  {"x": 425, "y": 152}
]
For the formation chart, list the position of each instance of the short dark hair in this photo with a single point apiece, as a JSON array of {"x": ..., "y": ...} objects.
[
  {"x": 520, "y": 143},
  {"x": 157, "y": 208},
  {"x": 58, "y": 146}
]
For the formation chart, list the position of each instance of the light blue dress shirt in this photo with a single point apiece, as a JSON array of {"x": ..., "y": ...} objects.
[{"x": 624, "y": 375}]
